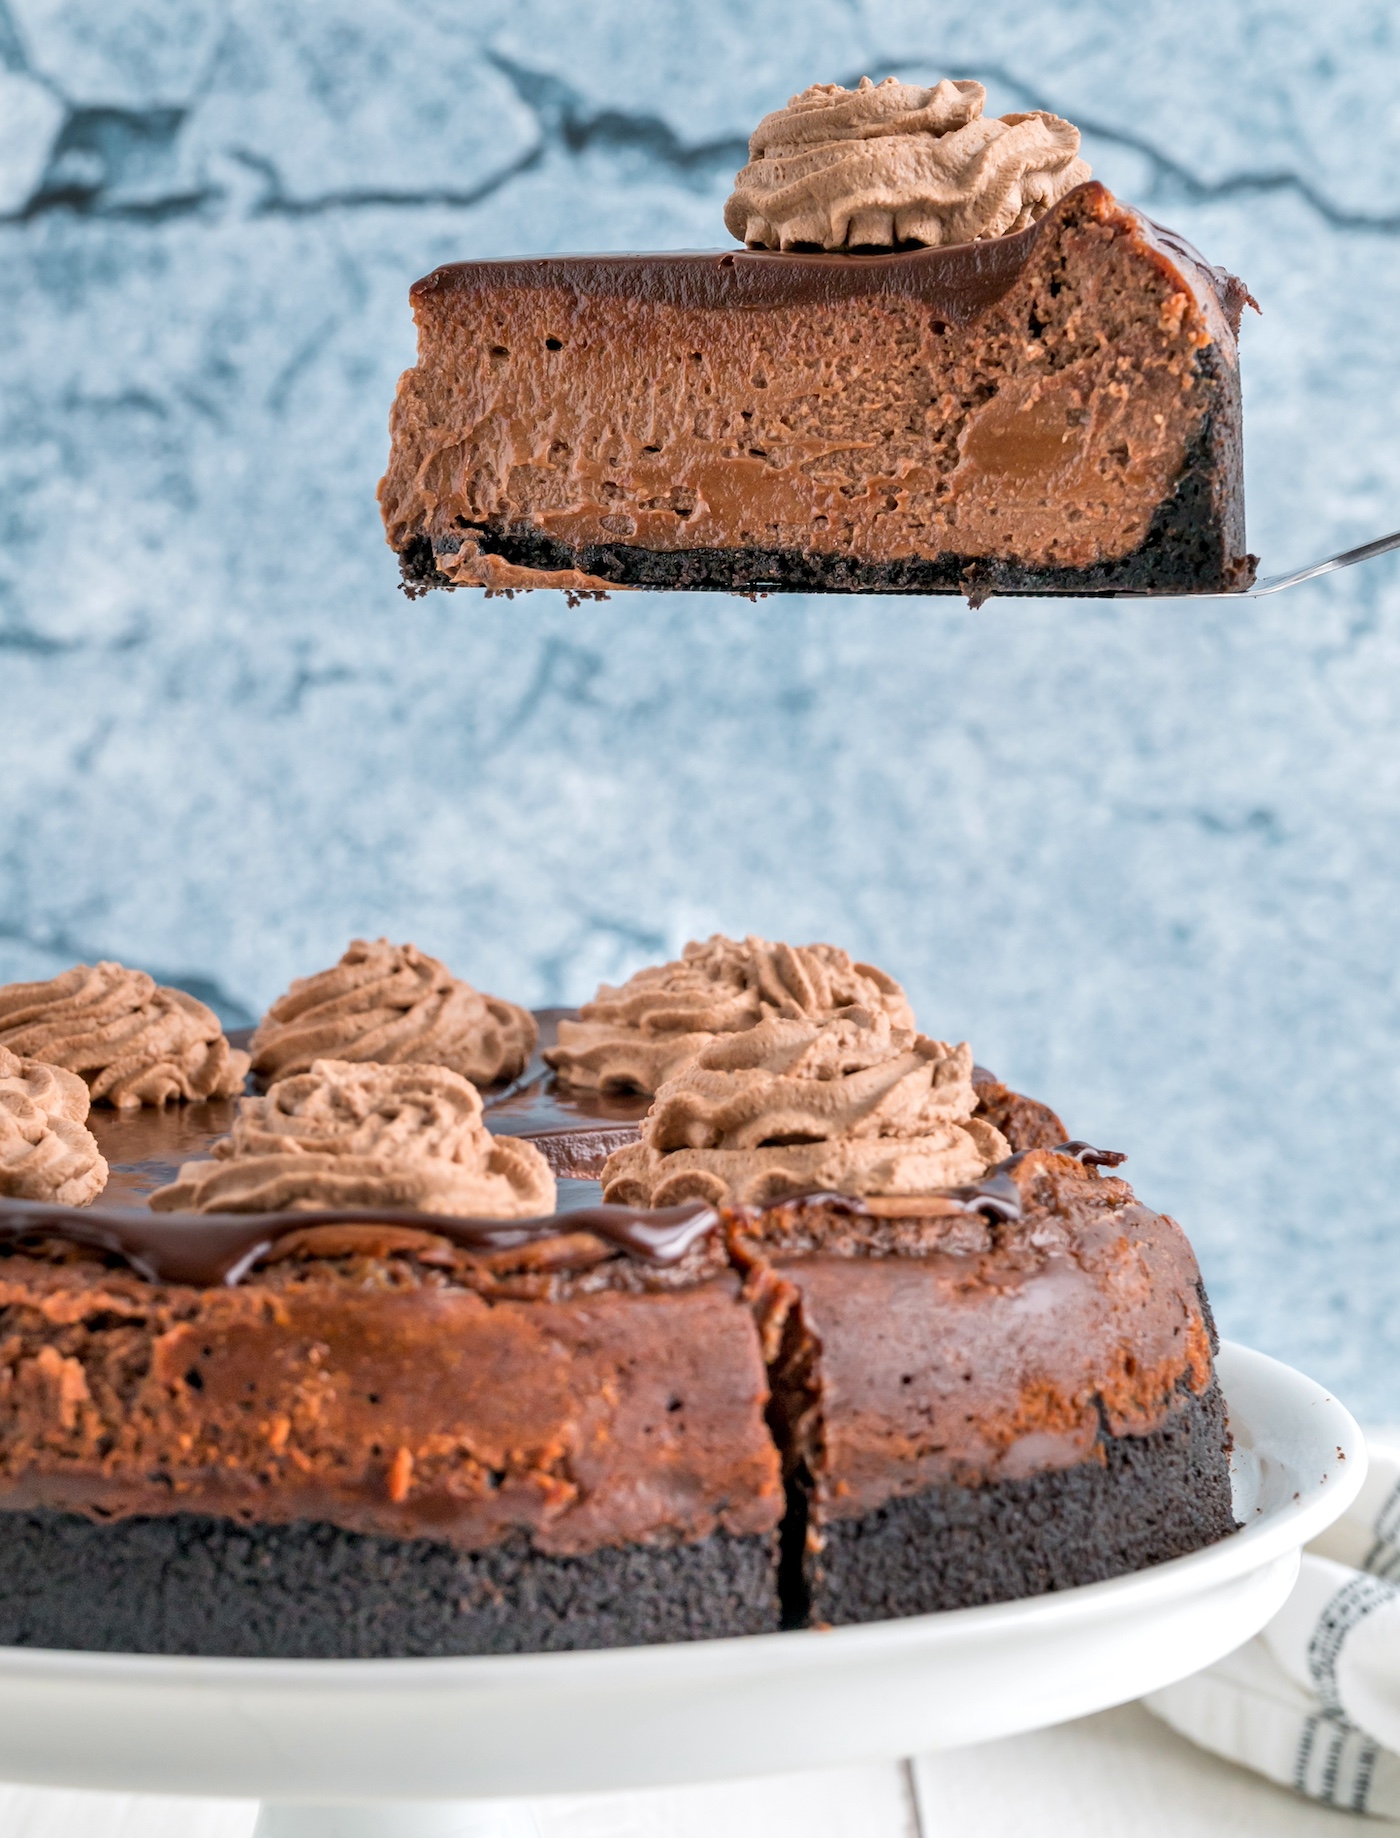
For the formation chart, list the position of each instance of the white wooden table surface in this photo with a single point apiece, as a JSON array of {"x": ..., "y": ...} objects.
[{"x": 1118, "y": 1775}]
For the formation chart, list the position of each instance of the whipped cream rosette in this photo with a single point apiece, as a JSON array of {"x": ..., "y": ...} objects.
[
  {"x": 852, "y": 1103},
  {"x": 364, "y": 1135},
  {"x": 890, "y": 163},
  {"x": 395, "y": 1005},
  {"x": 637, "y": 1036},
  {"x": 46, "y": 1151},
  {"x": 134, "y": 1041}
]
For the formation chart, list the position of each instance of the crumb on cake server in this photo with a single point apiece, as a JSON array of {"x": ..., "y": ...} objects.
[{"x": 1042, "y": 397}]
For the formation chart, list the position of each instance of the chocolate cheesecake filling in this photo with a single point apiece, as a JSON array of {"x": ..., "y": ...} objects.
[{"x": 1051, "y": 411}]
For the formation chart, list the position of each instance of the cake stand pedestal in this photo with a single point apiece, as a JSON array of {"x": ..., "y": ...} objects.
[{"x": 418, "y": 1748}]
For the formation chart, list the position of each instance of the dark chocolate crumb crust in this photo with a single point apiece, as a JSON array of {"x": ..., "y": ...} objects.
[{"x": 195, "y": 1584}]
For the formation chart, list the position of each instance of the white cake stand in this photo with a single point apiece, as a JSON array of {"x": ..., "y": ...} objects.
[{"x": 404, "y": 1748}]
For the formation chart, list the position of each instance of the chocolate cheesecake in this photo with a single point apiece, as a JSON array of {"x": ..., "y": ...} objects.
[
  {"x": 295, "y": 1437},
  {"x": 371, "y": 1431},
  {"x": 1048, "y": 408}
]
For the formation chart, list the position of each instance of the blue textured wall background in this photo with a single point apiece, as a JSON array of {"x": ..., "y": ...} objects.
[{"x": 1144, "y": 857}]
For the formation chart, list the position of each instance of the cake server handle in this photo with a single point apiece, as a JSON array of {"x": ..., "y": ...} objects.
[{"x": 1275, "y": 583}]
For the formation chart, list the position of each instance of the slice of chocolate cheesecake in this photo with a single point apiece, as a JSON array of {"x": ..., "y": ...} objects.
[{"x": 1052, "y": 411}]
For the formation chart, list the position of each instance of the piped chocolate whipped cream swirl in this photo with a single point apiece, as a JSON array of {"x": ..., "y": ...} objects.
[
  {"x": 890, "y": 163},
  {"x": 395, "y": 1005},
  {"x": 851, "y": 1104},
  {"x": 636, "y": 1037},
  {"x": 46, "y": 1152},
  {"x": 363, "y": 1136},
  {"x": 133, "y": 1041}
]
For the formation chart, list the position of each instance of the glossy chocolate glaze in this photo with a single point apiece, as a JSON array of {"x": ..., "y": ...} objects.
[
  {"x": 209, "y": 1248},
  {"x": 995, "y": 1196},
  {"x": 958, "y": 283},
  {"x": 1091, "y": 1157},
  {"x": 144, "y": 1149},
  {"x": 576, "y": 1132}
]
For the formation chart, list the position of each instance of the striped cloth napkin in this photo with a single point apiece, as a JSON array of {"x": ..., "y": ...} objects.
[{"x": 1314, "y": 1701}]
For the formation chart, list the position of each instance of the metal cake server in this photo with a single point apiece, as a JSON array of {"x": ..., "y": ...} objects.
[{"x": 1275, "y": 583}]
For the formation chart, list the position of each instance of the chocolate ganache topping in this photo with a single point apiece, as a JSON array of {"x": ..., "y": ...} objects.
[
  {"x": 364, "y": 1136},
  {"x": 636, "y": 1037},
  {"x": 133, "y": 1041},
  {"x": 45, "y": 1151},
  {"x": 852, "y": 1103},
  {"x": 890, "y": 164},
  {"x": 205, "y": 1251},
  {"x": 395, "y": 1005}
]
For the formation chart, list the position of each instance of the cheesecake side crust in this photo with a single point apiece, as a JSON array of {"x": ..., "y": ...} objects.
[
  {"x": 383, "y": 1380},
  {"x": 195, "y": 1583}
]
